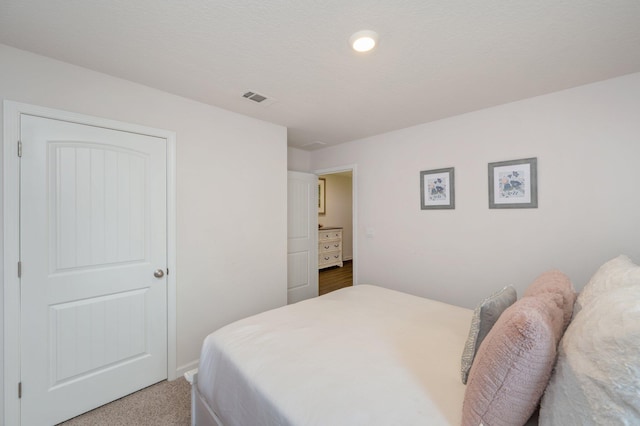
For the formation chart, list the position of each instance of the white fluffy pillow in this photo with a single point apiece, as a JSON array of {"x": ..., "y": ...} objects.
[
  {"x": 597, "y": 375},
  {"x": 616, "y": 273}
]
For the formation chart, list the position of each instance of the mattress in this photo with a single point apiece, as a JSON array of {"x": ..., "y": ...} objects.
[{"x": 363, "y": 355}]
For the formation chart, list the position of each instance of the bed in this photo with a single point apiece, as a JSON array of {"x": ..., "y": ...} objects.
[
  {"x": 367, "y": 355},
  {"x": 362, "y": 355}
]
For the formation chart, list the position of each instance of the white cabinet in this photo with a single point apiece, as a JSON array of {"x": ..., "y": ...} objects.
[{"x": 329, "y": 247}]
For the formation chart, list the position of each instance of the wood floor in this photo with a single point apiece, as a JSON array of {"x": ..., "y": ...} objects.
[{"x": 335, "y": 278}]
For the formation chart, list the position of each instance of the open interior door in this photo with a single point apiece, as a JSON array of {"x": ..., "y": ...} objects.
[{"x": 302, "y": 235}]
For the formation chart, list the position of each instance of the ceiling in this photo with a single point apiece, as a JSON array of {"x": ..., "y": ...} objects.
[{"x": 434, "y": 59}]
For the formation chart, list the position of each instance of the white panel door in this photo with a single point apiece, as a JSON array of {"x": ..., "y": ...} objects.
[
  {"x": 93, "y": 231},
  {"x": 302, "y": 234}
]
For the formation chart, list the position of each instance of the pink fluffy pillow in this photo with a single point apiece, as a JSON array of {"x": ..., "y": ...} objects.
[
  {"x": 514, "y": 363},
  {"x": 555, "y": 281}
]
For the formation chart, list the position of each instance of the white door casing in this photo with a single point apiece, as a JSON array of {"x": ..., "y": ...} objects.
[
  {"x": 353, "y": 168},
  {"x": 94, "y": 321},
  {"x": 302, "y": 236}
]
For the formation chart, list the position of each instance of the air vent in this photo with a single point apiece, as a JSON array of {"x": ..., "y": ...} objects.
[
  {"x": 308, "y": 144},
  {"x": 256, "y": 97},
  {"x": 259, "y": 98}
]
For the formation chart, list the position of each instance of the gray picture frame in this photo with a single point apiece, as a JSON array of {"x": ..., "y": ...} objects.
[
  {"x": 513, "y": 184},
  {"x": 446, "y": 196}
]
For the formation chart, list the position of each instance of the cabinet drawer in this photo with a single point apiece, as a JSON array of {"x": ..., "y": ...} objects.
[
  {"x": 329, "y": 235},
  {"x": 330, "y": 257},
  {"x": 326, "y": 246}
]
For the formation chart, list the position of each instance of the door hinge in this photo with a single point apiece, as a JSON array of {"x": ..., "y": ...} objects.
[
  {"x": 19, "y": 148},
  {"x": 19, "y": 390},
  {"x": 167, "y": 271},
  {"x": 19, "y": 269}
]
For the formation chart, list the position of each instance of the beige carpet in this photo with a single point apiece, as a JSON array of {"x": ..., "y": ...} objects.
[{"x": 165, "y": 403}]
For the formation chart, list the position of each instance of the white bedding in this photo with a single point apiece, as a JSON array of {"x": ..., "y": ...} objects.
[{"x": 363, "y": 355}]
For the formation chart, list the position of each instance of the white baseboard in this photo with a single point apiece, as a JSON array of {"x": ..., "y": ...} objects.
[{"x": 186, "y": 367}]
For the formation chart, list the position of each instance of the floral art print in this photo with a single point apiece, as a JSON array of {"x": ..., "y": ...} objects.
[
  {"x": 512, "y": 184},
  {"x": 437, "y": 189}
]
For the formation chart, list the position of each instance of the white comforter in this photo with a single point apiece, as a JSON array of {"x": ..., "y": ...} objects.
[{"x": 363, "y": 355}]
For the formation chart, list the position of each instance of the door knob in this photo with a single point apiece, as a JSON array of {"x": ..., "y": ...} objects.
[{"x": 159, "y": 273}]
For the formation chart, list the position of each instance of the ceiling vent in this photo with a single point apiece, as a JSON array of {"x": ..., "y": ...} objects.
[
  {"x": 315, "y": 144},
  {"x": 258, "y": 98}
]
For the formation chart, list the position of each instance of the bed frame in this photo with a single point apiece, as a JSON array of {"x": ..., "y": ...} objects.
[{"x": 201, "y": 413}]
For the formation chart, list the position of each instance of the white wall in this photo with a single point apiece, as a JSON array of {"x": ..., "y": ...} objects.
[
  {"x": 339, "y": 209},
  {"x": 587, "y": 143},
  {"x": 231, "y": 260},
  {"x": 298, "y": 160}
]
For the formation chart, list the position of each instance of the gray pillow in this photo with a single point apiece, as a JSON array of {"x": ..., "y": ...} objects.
[{"x": 484, "y": 317}]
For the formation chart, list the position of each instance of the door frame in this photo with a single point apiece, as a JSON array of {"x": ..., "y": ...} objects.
[
  {"x": 353, "y": 168},
  {"x": 11, "y": 355}
]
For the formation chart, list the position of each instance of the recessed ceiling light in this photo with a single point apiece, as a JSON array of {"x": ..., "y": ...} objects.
[{"x": 363, "y": 41}]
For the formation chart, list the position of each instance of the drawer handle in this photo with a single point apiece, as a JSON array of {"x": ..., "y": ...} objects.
[
  {"x": 336, "y": 256},
  {"x": 326, "y": 247},
  {"x": 327, "y": 258},
  {"x": 336, "y": 245}
]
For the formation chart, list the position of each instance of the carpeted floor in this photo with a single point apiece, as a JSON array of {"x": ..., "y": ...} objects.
[{"x": 163, "y": 404}]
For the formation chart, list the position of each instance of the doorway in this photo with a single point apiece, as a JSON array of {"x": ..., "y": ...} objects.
[{"x": 337, "y": 225}]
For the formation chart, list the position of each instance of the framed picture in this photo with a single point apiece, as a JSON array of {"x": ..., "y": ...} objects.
[
  {"x": 437, "y": 189},
  {"x": 513, "y": 184},
  {"x": 321, "y": 195}
]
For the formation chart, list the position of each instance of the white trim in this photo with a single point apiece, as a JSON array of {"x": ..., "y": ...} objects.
[
  {"x": 172, "y": 316},
  {"x": 11, "y": 226},
  {"x": 11, "y": 303},
  {"x": 353, "y": 168},
  {"x": 182, "y": 369}
]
